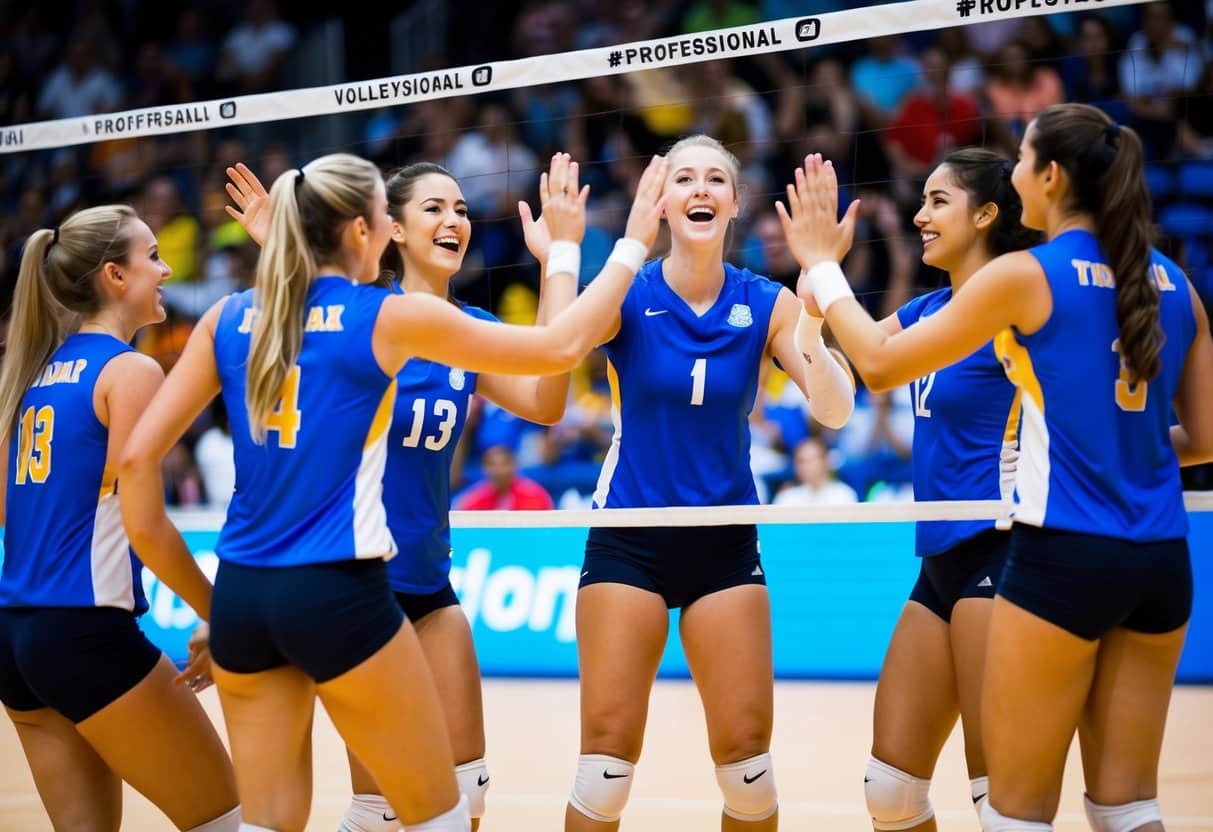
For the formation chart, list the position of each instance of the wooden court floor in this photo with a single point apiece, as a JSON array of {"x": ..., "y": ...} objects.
[{"x": 822, "y": 733}]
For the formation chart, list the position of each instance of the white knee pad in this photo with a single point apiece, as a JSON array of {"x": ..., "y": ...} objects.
[
  {"x": 473, "y": 780},
  {"x": 896, "y": 800},
  {"x": 369, "y": 813},
  {"x": 249, "y": 827},
  {"x": 454, "y": 820},
  {"x": 979, "y": 787},
  {"x": 748, "y": 787},
  {"x": 600, "y": 790},
  {"x": 992, "y": 821},
  {"x": 1123, "y": 818},
  {"x": 227, "y": 822}
]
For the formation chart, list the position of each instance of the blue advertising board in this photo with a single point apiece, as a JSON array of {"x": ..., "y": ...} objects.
[{"x": 836, "y": 592}]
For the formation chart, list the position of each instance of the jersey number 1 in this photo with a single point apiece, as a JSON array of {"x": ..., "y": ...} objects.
[
  {"x": 699, "y": 374},
  {"x": 286, "y": 417},
  {"x": 34, "y": 445}
]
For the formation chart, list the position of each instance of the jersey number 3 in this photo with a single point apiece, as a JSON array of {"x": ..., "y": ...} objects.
[
  {"x": 34, "y": 445},
  {"x": 1130, "y": 397}
]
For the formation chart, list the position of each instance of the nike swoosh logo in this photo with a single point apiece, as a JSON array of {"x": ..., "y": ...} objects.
[
  {"x": 867, "y": 779},
  {"x": 606, "y": 775},
  {"x": 385, "y": 817},
  {"x": 979, "y": 797},
  {"x": 748, "y": 780},
  {"x": 649, "y": 313},
  {"x": 480, "y": 782}
]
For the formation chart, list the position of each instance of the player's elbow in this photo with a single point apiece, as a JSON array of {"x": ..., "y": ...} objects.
[{"x": 834, "y": 416}]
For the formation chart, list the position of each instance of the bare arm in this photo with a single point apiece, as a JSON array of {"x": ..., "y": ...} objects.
[
  {"x": 191, "y": 385},
  {"x": 823, "y": 379},
  {"x": 1192, "y": 438}
]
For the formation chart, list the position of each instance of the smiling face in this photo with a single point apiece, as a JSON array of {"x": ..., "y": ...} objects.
[
  {"x": 701, "y": 195},
  {"x": 1032, "y": 185},
  {"x": 947, "y": 221},
  {"x": 142, "y": 275},
  {"x": 433, "y": 231}
]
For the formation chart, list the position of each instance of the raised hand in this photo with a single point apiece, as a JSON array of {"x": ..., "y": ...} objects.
[
  {"x": 562, "y": 201},
  {"x": 644, "y": 219},
  {"x": 252, "y": 200},
  {"x": 535, "y": 231},
  {"x": 810, "y": 221}
]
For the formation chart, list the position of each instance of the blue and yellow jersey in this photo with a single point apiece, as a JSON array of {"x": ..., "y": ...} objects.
[
  {"x": 64, "y": 544},
  {"x": 682, "y": 387},
  {"x": 313, "y": 492},
  {"x": 962, "y": 415},
  {"x": 431, "y": 409},
  {"x": 1096, "y": 453}
]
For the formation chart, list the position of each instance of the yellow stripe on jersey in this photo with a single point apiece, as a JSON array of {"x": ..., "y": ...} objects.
[
  {"x": 1018, "y": 366},
  {"x": 383, "y": 416},
  {"x": 1011, "y": 432},
  {"x": 613, "y": 381}
]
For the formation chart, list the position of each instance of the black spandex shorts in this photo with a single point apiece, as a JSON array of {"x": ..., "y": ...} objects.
[
  {"x": 416, "y": 606},
  {"x": 324, "y": 618},
  {"x": 681, "y": 564},
  {"x": 968, "y": 570},
  {"x": 75, "y": 660},
  {"x": 1088, "y": 584}
]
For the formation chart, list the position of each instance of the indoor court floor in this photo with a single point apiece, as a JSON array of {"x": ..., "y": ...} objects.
[{"x": 822, "y": 732}]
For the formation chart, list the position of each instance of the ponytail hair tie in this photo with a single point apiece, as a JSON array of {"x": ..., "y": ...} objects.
[
  {"x": 54, "y": 235},
  {"x": 1111, "y": 133}
]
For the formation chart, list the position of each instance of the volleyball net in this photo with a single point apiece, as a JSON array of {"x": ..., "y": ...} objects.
[{"x": 882, "y": 90}]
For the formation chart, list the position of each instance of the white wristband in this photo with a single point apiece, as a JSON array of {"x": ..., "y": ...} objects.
[
  {"x": 629, "y": 252},
  {"x": 564, "y": 257},
  {"x": 829, "y": 285}
]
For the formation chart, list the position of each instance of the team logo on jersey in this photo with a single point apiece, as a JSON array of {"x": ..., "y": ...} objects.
[
  {"x": 740, "y": 316},
  {"x": 458, "y": 378}
]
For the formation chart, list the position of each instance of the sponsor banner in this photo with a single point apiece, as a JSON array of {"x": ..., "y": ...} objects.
[
  {"x": 836, "y": 592},
  {"x": 756, "y": 39}
]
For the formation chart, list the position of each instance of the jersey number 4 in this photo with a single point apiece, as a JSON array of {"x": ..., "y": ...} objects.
[
  {"x": 34, "y": 444},
  {"x": 286, "y": 416}
]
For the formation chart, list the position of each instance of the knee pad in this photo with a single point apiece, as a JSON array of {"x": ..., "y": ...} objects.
[
  {"x": 1123, "y": 818},
  {"x": 896, "y": 800},
  {"x": 979, "y": 787},
  {"x": 992, "y": 821},
  {"x": 748, "y": 787},
  {"x": 454, "y": 820},
  {"x": 473, "y": 780},
  {"x": 248, "y": 827},
  {"x": 601, "y": 788},
  {"x": 227, "y": 822},
  {"x": 369, "y": 813}
]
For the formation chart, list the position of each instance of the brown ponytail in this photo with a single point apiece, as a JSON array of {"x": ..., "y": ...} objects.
[{"x": 1103, "y": 161}]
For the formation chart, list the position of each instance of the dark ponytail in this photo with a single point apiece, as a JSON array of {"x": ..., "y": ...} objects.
[
  {"x": 1103, "y": 161},
  {"x": 986, "y": 177}
]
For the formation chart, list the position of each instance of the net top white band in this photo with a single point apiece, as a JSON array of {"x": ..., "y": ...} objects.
[
  {"x": 908, "y": 512},
  {"x": 755, "y": 39}
]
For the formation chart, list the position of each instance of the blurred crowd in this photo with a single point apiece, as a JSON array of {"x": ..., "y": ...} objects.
[{"x": 884, "y": 110}]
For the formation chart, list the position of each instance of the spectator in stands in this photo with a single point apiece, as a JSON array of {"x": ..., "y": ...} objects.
[
  {"x": 815, "y": 484},
  {"x": 1196, "y": 118},
  {"x": 192, "y": 52},
  {"x": 182, "y": 485},
  {"x": 214, "y": 458},
  {"x": 934, "y": 120},
  {"x": 1090, "y": 73},
  {"x": 766, "y": 252},
  {"x": 1019, "y": 89},
  {"x": 79, "y": 86},
  {"x": 883, "y": 79},
  {"x": 1160, "y": 64},
  {"x": 503, "y": 489},
  {"x": 875, "y": 444},
  {"x": 178, "y": 232},
  {"x": 253, "y": 52},
  {"x": 705, "y": 15},
  {"x": 968, "y": 75}
]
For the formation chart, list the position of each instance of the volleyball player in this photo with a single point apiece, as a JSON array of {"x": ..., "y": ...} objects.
[
  {"x": 685, "y": 352},
  {"x": 77, "y": 676},
  {"x": 1103, "y": 336},
  {"x": 966, "y": 419},
  {"x": 430, "y": 234},
  {"x": 307, "y": 363}
]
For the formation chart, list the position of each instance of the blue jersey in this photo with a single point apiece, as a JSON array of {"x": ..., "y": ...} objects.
[
  {"x": 313, "y": 492},
  {"x": 1096, "y": 453},
  {"x": 431, "y": 409},
  {"x": 682, "y": 387},
  {"x": 962, "y": 415},
  {"x": 64, "y": 544}
]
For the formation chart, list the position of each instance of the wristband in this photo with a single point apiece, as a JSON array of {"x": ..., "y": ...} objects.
[
  {"x": 629, "y": 252},
  {"x": 564, "y": 257},
  {"x": 829, "y": 285}
]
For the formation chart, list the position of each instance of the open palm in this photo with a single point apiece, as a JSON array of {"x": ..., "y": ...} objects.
[{"x": 252, "y": 202}]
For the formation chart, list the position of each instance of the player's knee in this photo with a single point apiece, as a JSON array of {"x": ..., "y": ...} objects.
[
  {"x": 979, "y": 788},
  {"x": 748, "y": 788},
  {"x": 369, "y": 813},
  {"x": 601, "y": 787},
  {"x": 993, "y": 821},
  {"x": 454, "y": 820},
  {"x": 1122, "y": 818},
  {"x": 896, "y": 800},
  {"x": 473, "y": 780}
]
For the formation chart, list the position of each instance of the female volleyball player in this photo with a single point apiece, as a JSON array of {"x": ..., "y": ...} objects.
[
  {"x": 77, "y": 676},
  {"x": 966, "y": 419},
  {"x": 307, "y": 363},
  {"x": 430, "y": 233},
  {"x": 1103, "y": 336},
  {"x": 685, "y": 352}
]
